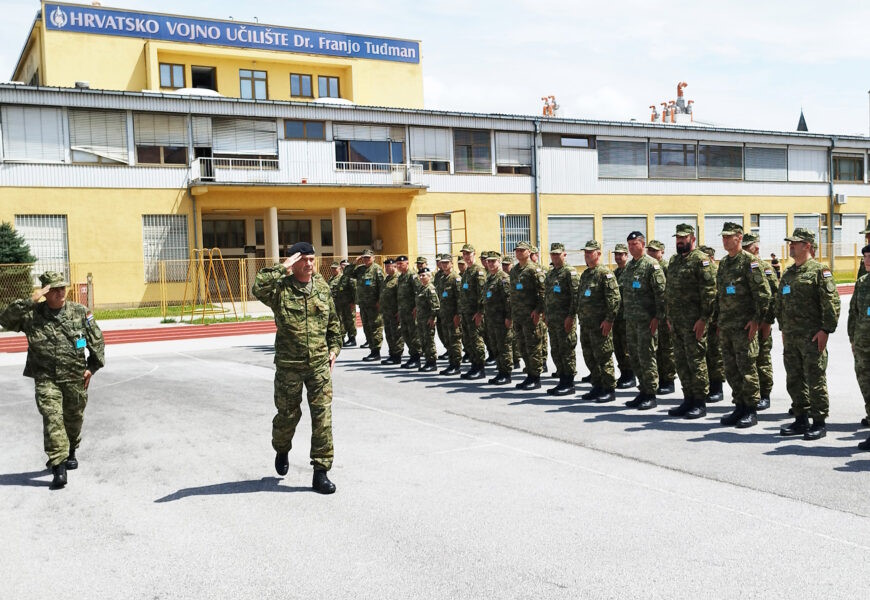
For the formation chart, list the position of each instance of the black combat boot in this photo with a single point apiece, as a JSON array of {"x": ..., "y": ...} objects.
[
  {"x": 490, "y": 361},
  {"x": 393, "y": 359},
  {"x": 665, "y": 388},
  {"x": 865, "y": 445},
  {"x": 466, "y": 358},
  {"x": 606, "y": 396},
  {"x": 59, "y": 479},
  {"x": 557, "y": 388},
  {"x": 730, "y": 420},
  {"x": 567, "y": 386},
  {"x": 443, "y": 356},
  {"x": 365, "y": 344},
  {"x": 682, "y": 409},
  {"x": 532, "y": 382},
  {"x": 592, "y": 394},
  {"x": 749, "y": 418},
  {"x": 800, "y": 426},
  {"x": 516, "y": 363},
  {"x": 648, "y": 403},
  {"x": 636, "y": 401},
  {"x": 413, "y": 362},
  {"x": 373, "y": 355},
  {"x": 816, "y": 431},
  {"x": 452, "y": 369},
  {"x": 321, "y": 483},
  {"x": 72, "y": 462},
  {"x": 864, "y": 422},
  {"x": 626, "y": 380},
  {"x": 586, "y": 379},
  {"x": 698, "y": 410},
  {"x": 475, "y": 372},
  {"x": 501, "y": 378},
  {"x": 715, "y": 394},
  {"x": 351, "y": 342},
  {"x": 764, "y": 402},
  {"x": 523, "y": 382},
  {"x": 282, "y": 464},
  {"x": 431, "y": 365}
]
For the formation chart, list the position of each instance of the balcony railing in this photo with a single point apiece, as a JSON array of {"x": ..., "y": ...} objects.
[{"x": 274, "y": 171}]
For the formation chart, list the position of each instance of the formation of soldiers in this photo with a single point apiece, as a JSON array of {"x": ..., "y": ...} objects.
[{"x": 688, "y": 318}]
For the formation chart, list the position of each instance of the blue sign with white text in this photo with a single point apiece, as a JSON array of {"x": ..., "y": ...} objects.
[{"x": 107, "y": 21}]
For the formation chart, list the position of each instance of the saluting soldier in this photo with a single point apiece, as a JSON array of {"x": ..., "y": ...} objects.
[
  {"x": 389, "y": 303},
  {"x": 507, "y": 263},
  {"x": 560, "y": 305},
  {"x": 620, "y": 345},
  {"x": 346, "y": 306},
  {"x": 691, "y": 295},
  {"x": 597, "y": 303},
  {"x": 451, "y": 285},
  {"x": 808, "y": 307},
  {"x": 407, "y": 288},
  {"x": 527, "y": 305},
  {"x": 496, "y": 303},
  {"x": 643, "y": 295},
  {"x": 859, "y": 337},
  {"x": 715, "y": 364},
  {"x": 369, "y": 282},
  {"x": 425, "y": 312},
  {"x": 743, "y": 296},
  {"x": 765, "y": 339},
  {"x": 665, "y": 353}
]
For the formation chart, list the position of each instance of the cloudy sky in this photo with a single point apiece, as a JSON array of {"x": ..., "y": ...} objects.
[{"x": 750, "y": 64}]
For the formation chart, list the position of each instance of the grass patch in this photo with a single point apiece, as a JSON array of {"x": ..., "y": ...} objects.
[{"x": 172, "y": 312}]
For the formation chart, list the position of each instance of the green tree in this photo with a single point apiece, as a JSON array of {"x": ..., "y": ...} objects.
[{"x": 15, "y": 260}]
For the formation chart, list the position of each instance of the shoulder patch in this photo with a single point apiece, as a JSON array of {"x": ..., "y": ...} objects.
[
  {"x": 609, "y": 275},
  {"x": 657, "y": 267},
  {"x": 459, "y": 279},
  {"x": 826, "y": 273},
  {"x": 768, "y": 271},
  {"x": 706, "y": 263},
  {"x": 753, "y": 265}
]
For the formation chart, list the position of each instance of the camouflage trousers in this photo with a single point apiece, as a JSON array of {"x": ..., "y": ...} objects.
[
  {"x": 487, "y": 344},
  {"x": 426, "y": 334},
  {"x": 598, "y": 354},
  {"x": 372, "y": 324},
  {"x": 472, "y": 340},
  {"x": 62, "y": 406},
  {"x": 805, "y": 377},
  {"x": 501, "y": 340},
  {"x": 665, "y": 355},
  {"x": 642, "y": 346},
  {"x": 764, "y": 363},
  {"x": 691, "y": 360},
  {"x": 861, "y": 352},
  {"x": 395, "y": 345},
  {"x": 542, "y": 333},
  {"x": 442, "y": 333},
  {"x": 453, "y": 340},
  {"x": 620, "y": 346},
  {"x": 564, "y": 346},
  {"x": 288, "y": 399},
  {"x": 715, "y": 364},
  {"x": 347, "y": 316},
  {"x": 410, "y": 335},
  {"x": 530, "y": 344},
  {"x": 739, "y": 354}
]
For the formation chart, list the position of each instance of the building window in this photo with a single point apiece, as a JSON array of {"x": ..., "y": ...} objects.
[
  {"x": 171, "y": 76},
  {"x": 514, "y": 229},
  {"x": 472, "y": 151},
  {"x": 164, "y": 238},
  {"x": 615, "y": 229},
  {"x": 300, "y": 86},
  {"x": 160, "y": 138},
  {"x": 572, "y": 231},
  {"x": 98, "y": 136},
  {"x": 434, "y": 235},
  {"x": 766, "y": 164},
  {"x": 672, "y": 161},
  {"x": 849, "y": 168},
  {"x": 203, "y": 78},
  {"x": 556, "y": 140},
  {"x": 369, "y": 151},
  {"x": 326, "y": 232},
  {"x": 224, "y": 233},
  {"x": 430, "y": 148},
  {"x": 33, "y": 134},
  {"x": 292, "y": 231},
  {"x": 513, "y": 153},
  {"x": 620, "y": 159},
  {"x": 327, "y": 87},
  {"x": 48, "y": 240},
  {"x": 359, "y": 232},
  {"x": 253, "y": 84},
  {"x": 304, "y": 130},
  {"x": 720, "y": 162}
]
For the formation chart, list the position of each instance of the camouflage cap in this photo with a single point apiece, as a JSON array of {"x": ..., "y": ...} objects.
[
  {"x": 493, "y": 255},
  {"x": 367, "y": 252},
  {"x": 801, "y": 234},
  {"x": 557, "y": 248},
  {"x": 684, "y": 229},
  {"x": 620, "y": 248},
  {"x": 460, "y": 260},
  {"x": 445, "y": 258},
  {"x": 749, "y": 239},
  {"x": 866, "y": 231},
  {"x": 533, "y": 249},
  {"x": 507, "y": 260},
  {"x": 655, "y": 245},
  {"x": 467, "y": 248},
  {"x": 591, "y": 246},
  {"x": 53, "y": 279},
  {"x": 730, "y": 228},
  {"x": 422, "y": 260},
  {"x": 335, "y": 265},
  {"x": 708, "y": 250},
  {"x": 523, "y": 246}
]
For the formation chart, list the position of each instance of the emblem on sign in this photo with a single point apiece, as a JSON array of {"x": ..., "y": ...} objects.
[{"x": 58, "y": 18}]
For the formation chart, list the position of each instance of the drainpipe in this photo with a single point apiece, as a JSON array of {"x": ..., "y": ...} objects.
[
  {"x": 831, "y": 250},
  {"x": 537, "y": 185}
]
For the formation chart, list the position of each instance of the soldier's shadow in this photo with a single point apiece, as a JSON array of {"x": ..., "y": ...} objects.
[
  {"x": 28, "y": 479},
  {"x": 814, "y": 450},
  {"x": 251, "y": 486},
  {"x": 854, "y": 466},
  {"x": 588, "y": 407},
  {"x": 728, "y": 435}
]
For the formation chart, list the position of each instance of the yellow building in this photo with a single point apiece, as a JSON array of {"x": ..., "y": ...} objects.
[{"x": 118, "y": 173}]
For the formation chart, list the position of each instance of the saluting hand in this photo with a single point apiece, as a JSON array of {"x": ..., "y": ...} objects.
[
  {"x": 290, "y": 261},
  {"x": 40, "y": 293}
]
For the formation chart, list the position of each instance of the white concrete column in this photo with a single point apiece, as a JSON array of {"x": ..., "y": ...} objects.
[
  {"x": 270, "y": 232},
  {"x": 339, "y": 231}
]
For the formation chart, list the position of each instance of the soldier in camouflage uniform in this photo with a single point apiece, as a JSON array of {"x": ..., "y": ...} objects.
[
  {"x": 665, "y": 354},
  {"x": 389, "y": 303},
  {"x": 334, "y": 281},
  {"x": 535, "y": 257},
  {"x": 691, "y": 296},
  {"x": 765, "y": 339},
  {"x": 448, "y": 297},
  {"x": 859, "y": 337},
  {"x": 527, "y": 306},
  {"x": 426, "y": 312},
  {"x": 307, "y": 343},
  {"x": 743, "y": 296},
  {"x": 560, "y": 298},
  {"x": 407, "y": 287},
  {"x": 369, "y": 282},
  {"x": 496, "y": 303},
  {"x": 643, "y": 298},
  {"x": 58, "y": 334},
  {"x": 808, "y": 307},
  {"x": 715, "y": 364},
  {"x": 346, "y": 305},
  {"x": 620, "y": 345},
  {"x": 470, "y": 311},
  {"x": 597, "y": 303},
  {"x": 438, "y": 282},
  {"x": 862, "y": 269},
  {"x": 507, "y": 263}
]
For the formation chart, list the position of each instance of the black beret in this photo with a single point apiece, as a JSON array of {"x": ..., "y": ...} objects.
[
  {"x": 389, "y": 261},
  {"x": 634, "y": 235},
  {"x": 303, "y": 248},
  {"x": 401, "y": 258},
  {"x": 865, "y": 249}
]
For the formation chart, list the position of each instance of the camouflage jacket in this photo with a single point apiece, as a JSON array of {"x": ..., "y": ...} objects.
[
  {"x": 369, "y": 282},
  {"x": 438, "y": 281},
  {"x": 334, "y": 284},
  {"x": 714, "y": 318},
  {"x": 308, "y": 328},
  {"x": 408, "y": 286},
  {"x": 773, "y": 283},
  {"x": 643, "y": 290},
  {"x": 527, "y": 290},
  {"x": 473, "y": 282},
  {"x": 861, "y": 271},
  {"x": 742, "y": 290},
  {"x": 426, "y": 303},
  {"x": 691, "y": 288},
  {"x": 598, "y": 296},
  {"x": 448, "y": 295},
  {"x": 497, "y": 297},
  {"x": 560, "y": 292},
  {"x": 807, "y": 300},
  {"x": 57, "y": 340},
  {"x": 859, "y": 314},
  {"x": 389, "y": 299},
  {"x": 617, "y": 273},
  {"x": 347, "y": 286}
]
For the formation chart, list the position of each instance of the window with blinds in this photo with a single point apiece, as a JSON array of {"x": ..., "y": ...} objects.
[
  {"x": 47, "y": 237},
  {"x": 33, "y": 134},
  {"x": 672, "y": 161},
  {"x": 202, "y": 134},
  {"x": 807, "y": 164},
  {"x": 666, "y": 226},
  {"x": 164, "y": 238},
  {"x": 368, "y": 133},
  {"x": 714, "y": 225},
  {"x": 430, "y": 148},
  {"x": 616, "y": 230},
  {"x": 98, "y": 136},
  {"x": 572, "y": 231},
  {"x": 720, "y": 162},
  {"x": 244, "y": 137},
  {"x": 514, "y": 229},
  {"x": 620, "y": 159},
  {"x": 160, "y": 138},
  {"x": 513, "y": 152},
  {"x": 472, "y": 151},
  {"x": 849, "y": 168},
  {"x": 434, "y": 236},
  {"x": 766, "y": 164}
]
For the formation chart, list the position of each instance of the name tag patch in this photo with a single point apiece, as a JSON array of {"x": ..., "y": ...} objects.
[
  {"x": 81, "y": 343},
  {"x": 444, "y": 294},
  {"x": 635, "y": 285},
  {"x": 786, "y": 289},
  {"x": 519, "y": 286},
  {"x": 588, "y": 292},
  {"x": 464, "y": 286},
  {"x": 730, "y": 290},
  {"x": 557, "y": 289}
]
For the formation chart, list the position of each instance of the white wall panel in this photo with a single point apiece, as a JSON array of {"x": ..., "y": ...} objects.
[
  {"x": 666, "y": 226},
  {"x": 482, "y": 184},
  {"x": 807, "y": 164},
  {"x": 85, "y": 176},
  {"x": 772, "y": 230}
]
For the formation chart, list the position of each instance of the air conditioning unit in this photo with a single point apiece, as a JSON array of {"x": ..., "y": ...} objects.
[{"x": 840, "y": 198}]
